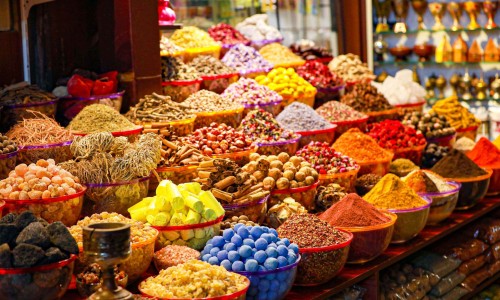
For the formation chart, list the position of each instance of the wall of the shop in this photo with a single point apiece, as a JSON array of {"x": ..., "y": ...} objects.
[{"x": 11, "y": 61}]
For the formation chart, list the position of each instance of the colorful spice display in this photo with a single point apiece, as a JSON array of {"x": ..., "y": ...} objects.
[
  {"x": 206, "y": 101},
  {"x": 227, "y": 34},
  {"x": 286, "y": 82},
  {"x": 248, "y": 92},
  {"x": 364, "y": 97},
  {"x": 159, "y": 108},
  {"x": 100, "y": 118},
  {"x": 234, "y": 249},
  {"x": 173, "y": 255},
  {"x": 42, "y": 180},
  {"x": 173, "y": 69},
  {"x": 168, "y": 48},
  {"x": 401, "y": 89},
  {"x": 192, "y": 37},
  {"x": 192, "y": 280},
  {"x": 7, "y": 145},
  {"x": 309, "y": 51},
  {"x": 218, "y": 139},
  {"x": 27, "y": 241},
  {"x": 393, "y": 135},
  {"x": 278, "y": 54},
  {"x": 328, "y": 195},
  {"x": 318, "y": 75},
  {"x": 402, "y": 166},
  {"x": 256, "y": 28},
  {"x": 246, "y": 59},
  {"x": 38, "y": 131},
  {"x": 457, "y": 165},
  {"x": 335, "y": 111},
  {"x": 353, "y": 211},
  {"x": 424, "y": 181},
  {"x": 360, "y": 147},
  {"x": 177, "y": 205},
  {"x": 430, "y": 124},
  {"x": 392, "y": 193},
  {"x": 350, "y": 68},
  {"x": 207, "y": 65},
  {"x": 485, "y": 154},
  {"x": 325, "y": 159},
  {"x": 366, "y": 182},
  {"x": 301, "y": 117},
  {"x": 458, "y": 116},
  {"x": 279, "y": 213},
  {"x": 260, "y": 125},
  {"x": 432, "y": 154},
  {"x": 464, "y": 144}
]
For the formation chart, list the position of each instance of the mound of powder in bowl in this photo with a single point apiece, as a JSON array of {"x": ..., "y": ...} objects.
[
  {"x": 301, "y": 117},
  {"x": 206, "y": 101},
  {"x": 100, "y": 118},
  {"x": 353, "y": 211},
  {"x": 248, "y": 91},
  {"x": 335, "y": 111}
]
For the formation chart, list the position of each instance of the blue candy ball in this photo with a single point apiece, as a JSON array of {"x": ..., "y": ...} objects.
[
  {"x": 207, "y": 248},
  {"x": 251, "y": 265},
  {"x": 243, "y": 232},
  {"x": 254, "y": 280},
  {"x": 280, "y": 243},
  {"x": 273, "y": 245},
  {"x": 294, "y": 247},
  {"x": 261, "y": 244},
  {"x": 229, "y": 247},
  {"x": 262, "y": 268},
  {"x": 282, "y": 250},
  {"x": 233, "y": 256},
  {"x": 286, "y": 241},
  {"x": 260, "y": 256},
  {"x": 218, "y": 241},
  {"x": 222, "y": 255},
  {"x": 282, "y": 261},
  {"x": 292, "y": 258},
  {"x": 228, "y": 234},
  {"x": 273, "y": 232},
  {"x": 227, "y": 264},
  {"x": 264, "y": 285},
  {"x": 262, "y": 296},
  {"x": 238, "y": 266},
  {"x": 275, "y": 285},
  {"x": 236, "y": 240},
  {"x": 249, "y": 242},
  {"x": 273, "y": 294},
  {"x": 271, "y": 263},
  {"x": 270, "y": 276},
  {"x": 245, "y": 251},
  {"x": 237, "y": 226},
  {"x": 268, "y": 237},
  {"x": 214, "y": 251},
  {"x": 282, "y": 276},
  {"x": 265, "y": 229},
  {"x": 272, "y": 252},
  {"x": 206, "y": 257},
  {"x": 256, "y": 232},
  {"x": 213, "y": 261}
]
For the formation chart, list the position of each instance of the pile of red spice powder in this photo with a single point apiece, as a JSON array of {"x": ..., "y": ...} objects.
[
  {"x": 485, "y": 154},
  {"x": 353, "y": 211}
]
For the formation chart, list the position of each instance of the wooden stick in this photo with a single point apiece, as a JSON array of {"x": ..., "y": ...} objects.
[
  {"x": 204, "y": 174},
  {"x": 207, "y": 164},
  {"x": 222, "y": 195},
  {"x": 224, "y": 183},
  {"x": 169, "y": 144}
]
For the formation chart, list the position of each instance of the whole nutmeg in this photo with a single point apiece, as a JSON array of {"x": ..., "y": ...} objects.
[
  {"x": 289, "y": 175},
  {"x": 282, "y": 183},
  {"x": 306, "y": 170},
  {"x": 296, "y": 160},
  {"x": 300, "y": 176},
  {"x": 251, "y": 167},
  {"x": 277, "y": 164},
  {"x": 271, "y": 158},
  {"x": 288, "y": 165},
  {"x": 254, "y": 156},
  {"x": 269, "y": 183},
  {"x": 274, "y": 173},
  {"x": 259, "y": 175},
  {"x": 283, "y": 157},
  {"x": 309, "y": 180}
]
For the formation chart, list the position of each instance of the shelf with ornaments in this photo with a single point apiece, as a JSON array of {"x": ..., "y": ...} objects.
[
  {"x": 447, "y": 64},
  {"x": 447, "y": 30}
]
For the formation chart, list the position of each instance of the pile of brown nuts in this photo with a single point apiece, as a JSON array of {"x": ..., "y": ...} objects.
[
  {"x": 350, "y": 68},
  {"x": 6, "y": 145},
  {"x": 206, "y": 101},
  {"x": 209, "y": 65},
  {"x": 229, "y": 223},
  {"x": 174, "y": 69}
]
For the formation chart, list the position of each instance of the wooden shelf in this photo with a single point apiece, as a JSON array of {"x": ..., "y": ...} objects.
[
  {"x": 170, "y": 27},
  {"x": 420, "y": 64},
  {"x": 353, "y": 274}
]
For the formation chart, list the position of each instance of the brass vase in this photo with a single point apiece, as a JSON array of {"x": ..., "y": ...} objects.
[
  {"x": 400, "y": 8},
  {"x": 420, "y": 6},
  {"x": 437, "y": 10},
  {"x": 455, "y": 9},
  {"x": 382, "y": 11},
  {"x": 472, "y": 8},
  {"x": 490, "y": 9}
]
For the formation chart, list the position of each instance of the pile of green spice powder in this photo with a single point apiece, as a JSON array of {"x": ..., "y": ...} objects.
[{"x": 100, "y": 118}]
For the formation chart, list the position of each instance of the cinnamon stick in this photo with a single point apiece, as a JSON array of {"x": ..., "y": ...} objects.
[{"x": 224, "y": 183}]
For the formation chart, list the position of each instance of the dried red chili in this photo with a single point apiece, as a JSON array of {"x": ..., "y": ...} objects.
[
  {"x": 318, "y": 74},
  {"x": 392, "y": 134}
]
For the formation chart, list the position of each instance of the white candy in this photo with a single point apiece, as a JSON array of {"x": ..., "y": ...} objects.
[
  {"x": 256, "y": 28},
  {"x": 401, "y": 89}
]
